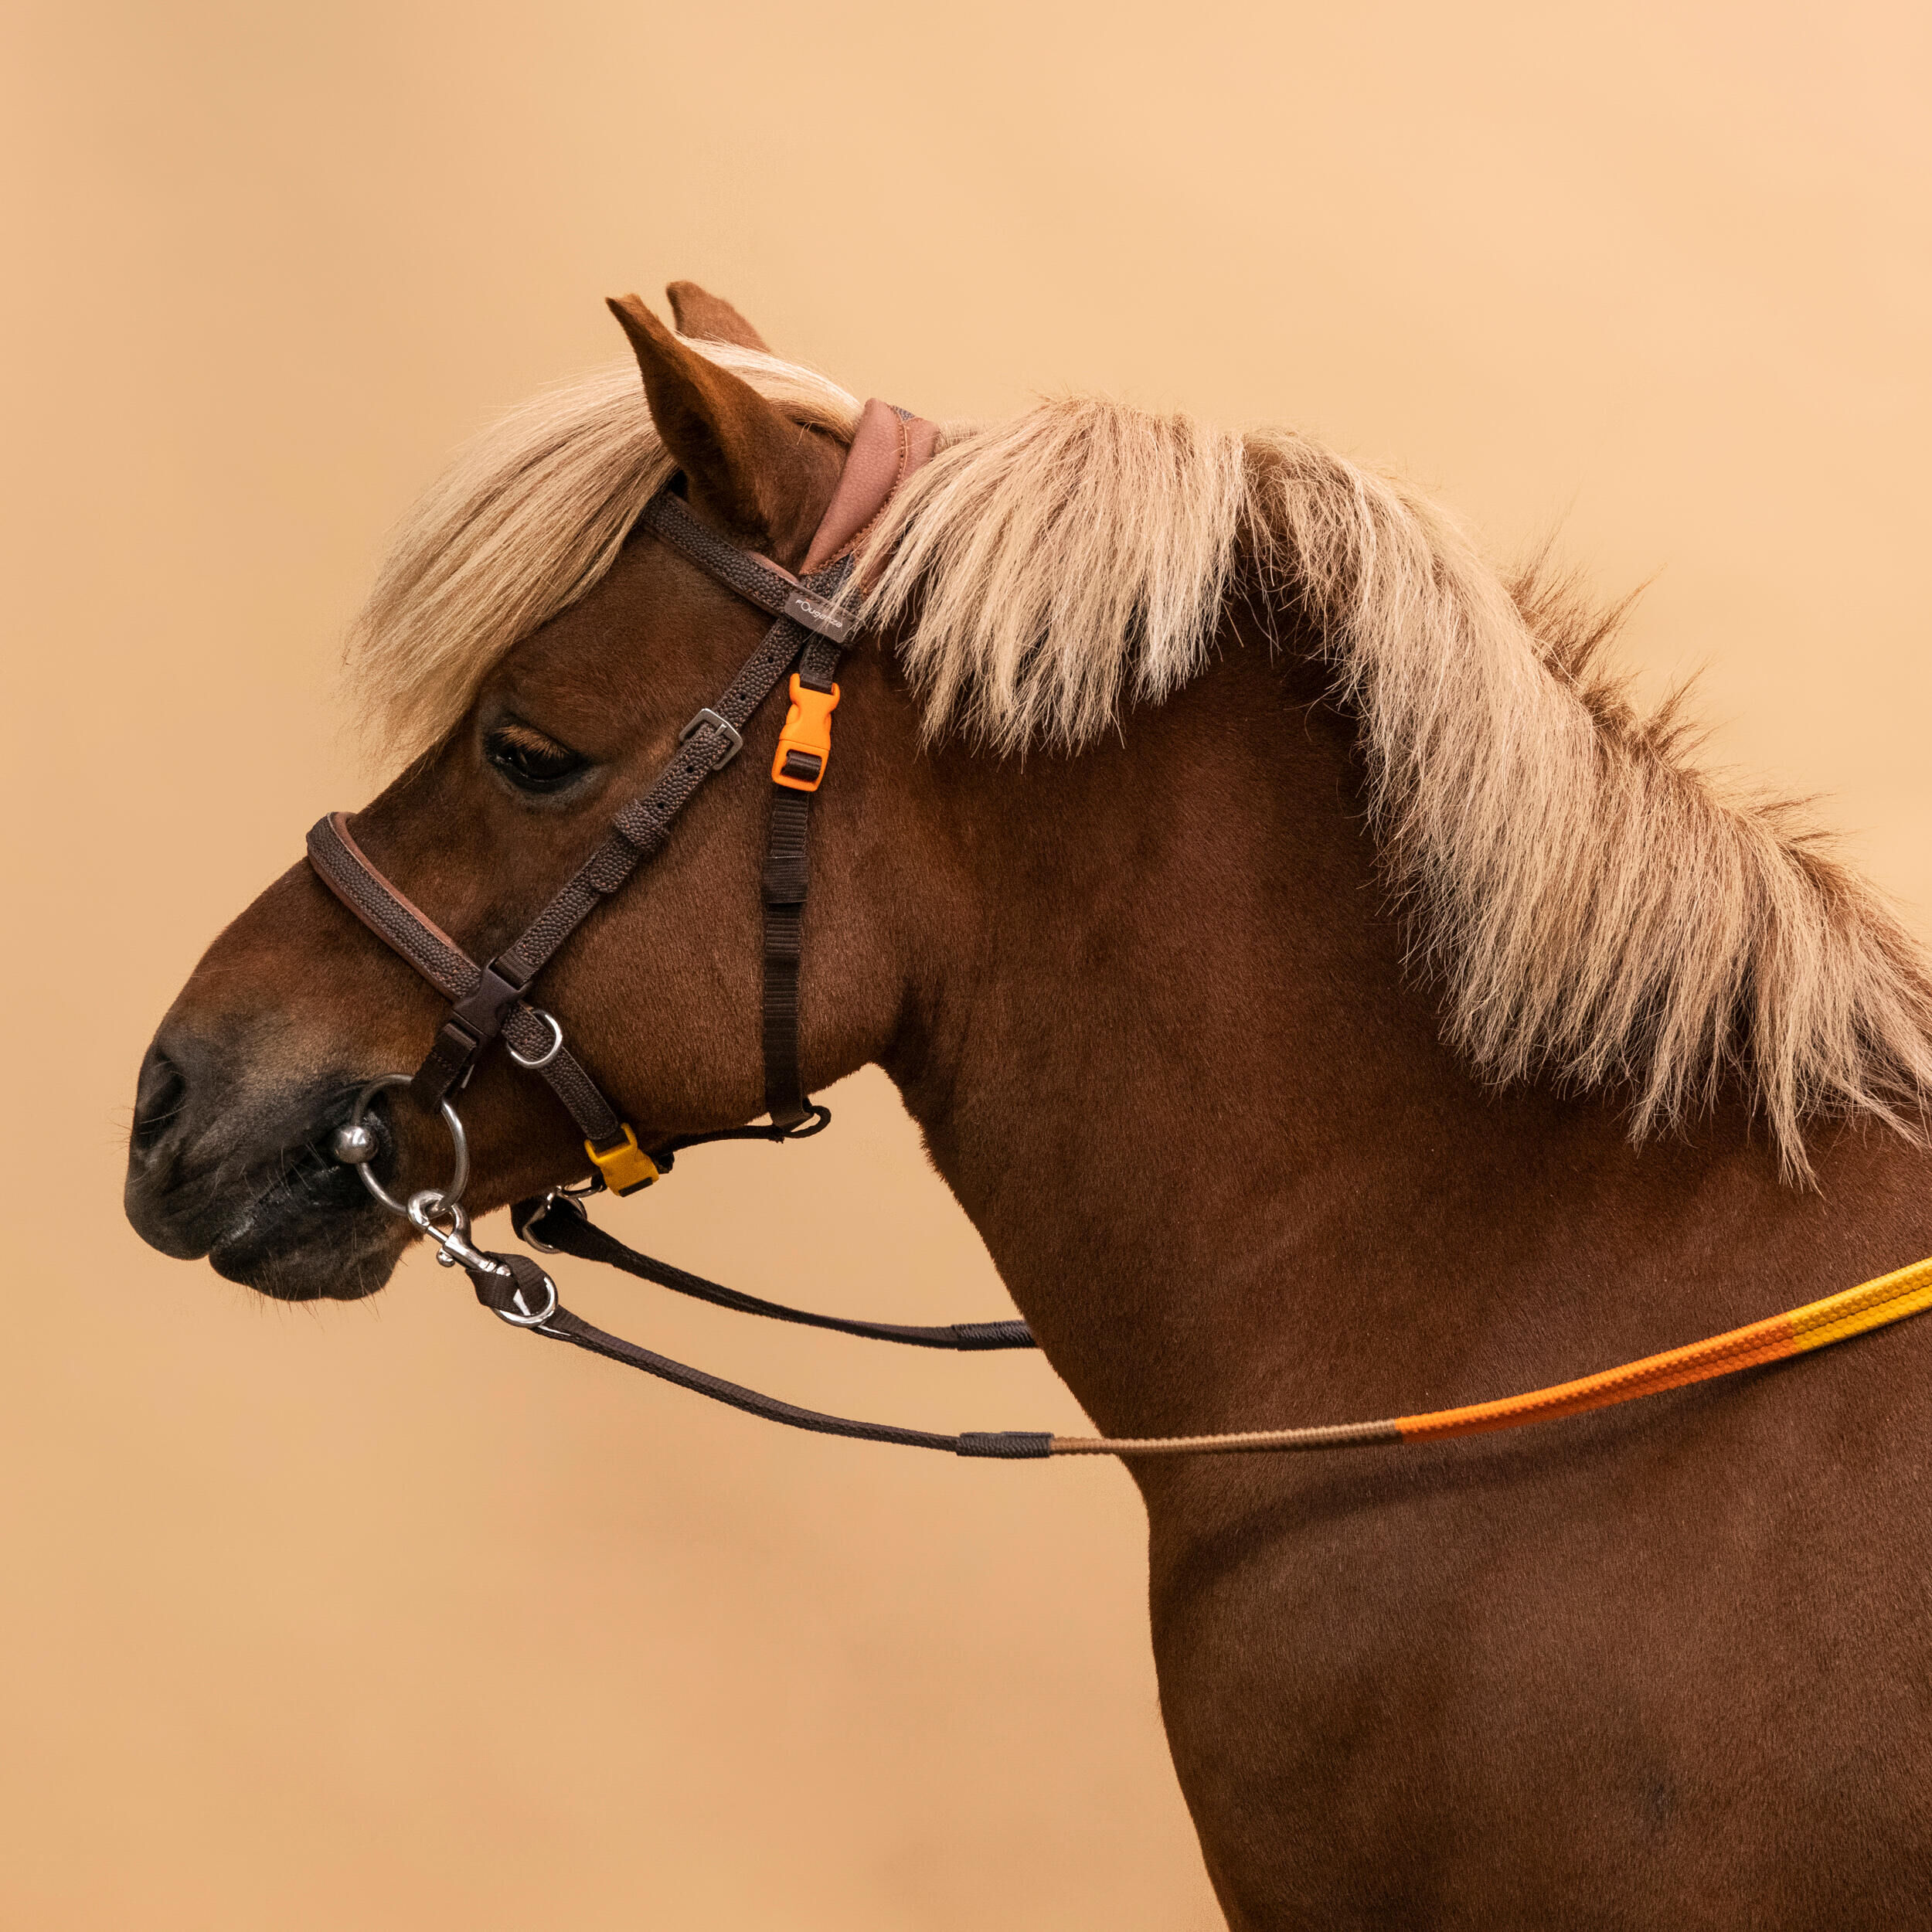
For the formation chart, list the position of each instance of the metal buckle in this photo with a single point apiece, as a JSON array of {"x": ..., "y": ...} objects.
[
  {"x": 734, "y": 742},
  {"x": 550, "y": 1053}
]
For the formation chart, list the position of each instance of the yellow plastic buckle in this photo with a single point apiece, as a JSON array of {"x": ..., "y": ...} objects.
[
  {"x": 624, "y": 1165},
  {"x": 804, "y": 745}
]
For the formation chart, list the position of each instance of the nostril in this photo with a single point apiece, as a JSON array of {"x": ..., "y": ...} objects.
[{"x": 160, "y": 1096}]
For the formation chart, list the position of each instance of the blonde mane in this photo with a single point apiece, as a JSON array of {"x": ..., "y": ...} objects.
[{"x": 1594, "y": 908}]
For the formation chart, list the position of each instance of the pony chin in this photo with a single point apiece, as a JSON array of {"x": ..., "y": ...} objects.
[{"x": 343, "y": 1257}]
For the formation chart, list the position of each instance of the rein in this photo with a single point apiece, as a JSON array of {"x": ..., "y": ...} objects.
[{"x": 813, "y": 624}]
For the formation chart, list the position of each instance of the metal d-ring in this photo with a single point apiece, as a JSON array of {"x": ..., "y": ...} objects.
[
  {"x": 557, "y": 1197},
  {"x": 523, "y": 1317},
  {"x": 551, "y": 1052},
  {"x": 459, "y": 1172}
]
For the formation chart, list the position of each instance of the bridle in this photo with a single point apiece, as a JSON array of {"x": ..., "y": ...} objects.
[{"x": 813, "y": 623}]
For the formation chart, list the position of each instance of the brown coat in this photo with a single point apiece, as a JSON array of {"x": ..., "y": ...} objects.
[{"x": 1664, "y": 1665}]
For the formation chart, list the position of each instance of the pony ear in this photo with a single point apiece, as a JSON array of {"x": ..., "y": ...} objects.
[
  {"x": 765, "y": 479},
  {"x": 711, "y": 318}
]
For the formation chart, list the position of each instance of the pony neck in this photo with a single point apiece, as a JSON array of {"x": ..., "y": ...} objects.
[{"x": 1162, "y": 1046}]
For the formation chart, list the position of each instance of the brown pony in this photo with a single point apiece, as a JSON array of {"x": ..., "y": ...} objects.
[{"x": 1328, "y": 999}]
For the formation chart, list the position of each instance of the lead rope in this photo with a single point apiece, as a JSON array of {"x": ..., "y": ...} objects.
[
  {"x": 558, "y": 1224},
  {"x": 811, "y": 629},
  {"x": 516, "y": 1287}
]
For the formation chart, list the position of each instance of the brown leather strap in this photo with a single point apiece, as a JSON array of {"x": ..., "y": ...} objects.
[
  {"x": 1003, "y": 1445},
  {"x": 639, "y": 830},
  {"x": 397, "y": 920},
  {"x": 757, "y": 579}
]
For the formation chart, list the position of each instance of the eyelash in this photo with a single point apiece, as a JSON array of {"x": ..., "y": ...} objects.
[{"x": 531, "y": 762}]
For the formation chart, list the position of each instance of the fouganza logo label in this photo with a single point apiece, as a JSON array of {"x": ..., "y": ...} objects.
[{"x": 816, "y": 614}]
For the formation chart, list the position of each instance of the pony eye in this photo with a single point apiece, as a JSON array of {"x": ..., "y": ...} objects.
[{"x": 529, "y": 759}]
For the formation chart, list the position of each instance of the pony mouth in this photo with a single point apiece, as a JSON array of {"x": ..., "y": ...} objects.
[{"x": 307, "y": 1229}]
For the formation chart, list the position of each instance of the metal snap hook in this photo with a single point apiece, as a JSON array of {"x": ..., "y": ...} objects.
[
  {"x": 355, "y": 1144},
  {"x": 453, "y": 1249}
]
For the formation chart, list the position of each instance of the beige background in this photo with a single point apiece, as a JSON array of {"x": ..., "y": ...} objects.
[{"x": 374, "y": 1617}]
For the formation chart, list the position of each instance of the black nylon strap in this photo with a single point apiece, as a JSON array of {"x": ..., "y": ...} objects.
[
  {"x": 564, "y": 1226},
  {"x": 785, "y": 878},
  {"x": 1012, "y": 1444}
]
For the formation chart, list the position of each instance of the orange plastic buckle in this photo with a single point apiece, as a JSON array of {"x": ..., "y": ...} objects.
[
  {"x": 624, "y": 1165},
  {"x": 805, "y": 744}
]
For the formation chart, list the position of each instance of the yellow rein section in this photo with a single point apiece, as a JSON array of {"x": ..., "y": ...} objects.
[{"x": 1817, "y": 1325}]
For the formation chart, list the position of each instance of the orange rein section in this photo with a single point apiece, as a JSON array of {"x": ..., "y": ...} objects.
[
  {"x": 1817, "y": 1325},
  {"x": 1798, "y": 1331},
  {"x": 1770, "y": 1340}
]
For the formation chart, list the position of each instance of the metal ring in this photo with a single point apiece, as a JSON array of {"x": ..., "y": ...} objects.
[
  {"x": 459, "y": 1172},
  {"x": 556, "y": 1047},
  {"x": 531, "y": 1321}
]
